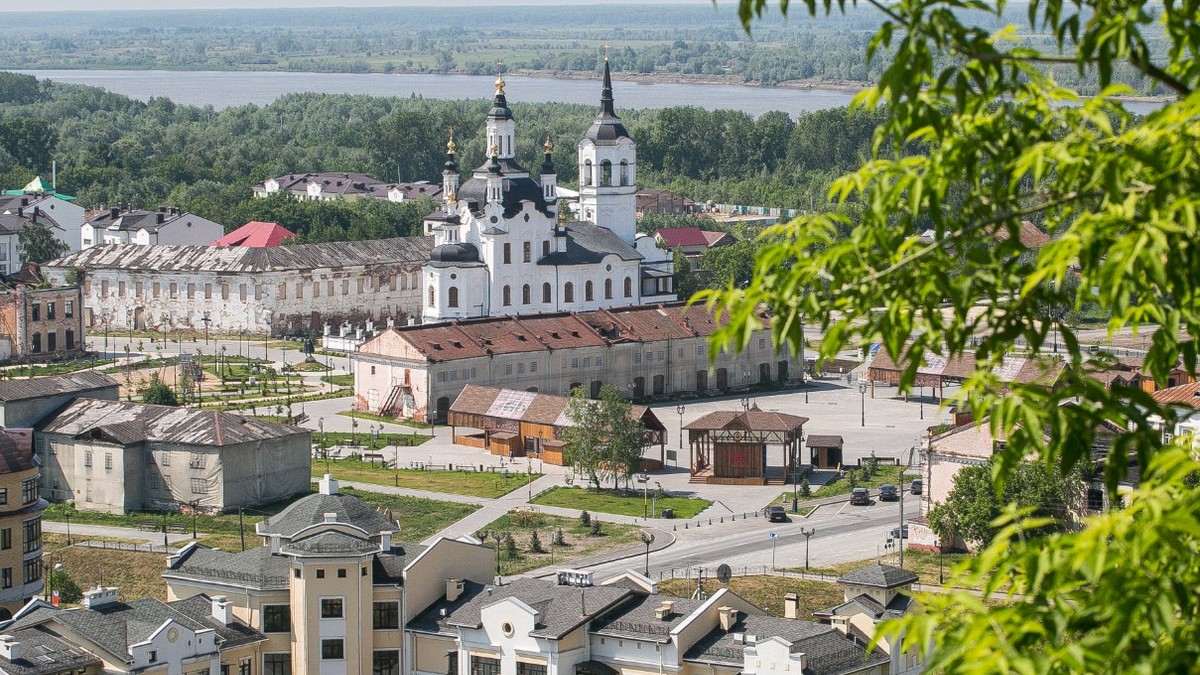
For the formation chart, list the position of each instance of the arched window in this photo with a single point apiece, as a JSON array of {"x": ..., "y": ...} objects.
[
  {"x": 608, "y": 289},
  {"x": 587, "y": 172},
  {"x": 605, "y": 173},
  {"x": 569, "y": 292},
  {"x": 624, "y": 172},
  {"x": 525, "y": 294},
  {"x": 546, "y": 293},
  {"x": 507, "y": 296},
  {"x": 587, "y": 291},
  {"x": 453, "y": 297},
  {"x": 432, "y": 297},
  {"x": 628, "y": 287}
]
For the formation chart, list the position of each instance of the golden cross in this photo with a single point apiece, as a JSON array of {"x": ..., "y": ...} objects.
[
  {"x": 499, "y": 67},
  {"x": 605, "y": 51}
]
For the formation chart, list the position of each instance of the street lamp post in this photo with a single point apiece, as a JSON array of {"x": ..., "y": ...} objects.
[
  {"x": 921, "y": 398},
  {"x": 807, "y": 535},
  {"x": 129, "y": 320},
  {"x": 680, "y": 409},
  {"x": 104, "y": 320},
  {"x": 644, "y": 479},
  {"x": 745, "y": 403},
  {"x": 773, "y": 538},
  {"x": 207, "y": 320},
  {"x": 647, "y": 539},
  {"x": 862, "y": 391},
  {"x": 266, "y": 315}
]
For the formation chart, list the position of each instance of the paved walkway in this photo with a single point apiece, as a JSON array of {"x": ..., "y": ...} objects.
[{"x": 80, "y": 532}]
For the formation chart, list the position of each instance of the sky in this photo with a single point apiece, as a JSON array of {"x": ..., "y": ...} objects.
[{"x": 113, "y": 5}]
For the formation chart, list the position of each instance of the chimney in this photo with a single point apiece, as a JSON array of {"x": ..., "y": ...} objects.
[
  {"x": 99, "y": 597},
  {"x": 454, "y": 589},
  {"x": 274, "y": 543},
  {"x": 665, "y": 610},
  {"x": 329, "y": 517},
  {"x": 158, "y": 218},
  {"x": 24, "y": 201},
  {"x": 114, "y": 212},
  {"x": 727, "y": 616},
  {"x": 36, "y": 213},
  {"x": 162, "y": 209},
  {"x": 9, "y": 647},
  {"x": 20, "y": 211},
  {"x": 385, "y": 541},
  {"x": 791, "y": 606},
  {"x": 221, "y": 611},
  {"x": 327, "y": 485}
]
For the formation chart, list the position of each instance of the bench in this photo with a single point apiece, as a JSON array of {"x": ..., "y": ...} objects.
[
  {"x": 177, "y": 528},
  {"x": 148, "y": 526}
]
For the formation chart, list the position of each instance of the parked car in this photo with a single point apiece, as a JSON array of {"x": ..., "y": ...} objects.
[
  {"x": 860, "y": 497},
  {"x": 917, "y": 486},
  {"x": 900, "y": 532},
  {"x": 776, "y": 514},
  {"x": 888, "y": 493}
]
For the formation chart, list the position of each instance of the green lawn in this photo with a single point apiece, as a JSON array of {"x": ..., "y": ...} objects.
[
  {"x": 925, "y": 565},
  {"x": 578, "y": 540},
  {"x": 472, "y": 483},
  {"x": 419, "y": 518},
  {"x": 621, "y": 503},
  {"x": 339, "y": 380},
  {"x": 358, "y": 414},
  {"x": 331, "y": 438}
]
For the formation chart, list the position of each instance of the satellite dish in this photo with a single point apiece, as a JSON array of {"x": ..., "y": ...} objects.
[{"x": 724, "y": 573}]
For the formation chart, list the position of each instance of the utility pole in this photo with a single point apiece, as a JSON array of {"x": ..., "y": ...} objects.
[{"x": 908, "y": 464}]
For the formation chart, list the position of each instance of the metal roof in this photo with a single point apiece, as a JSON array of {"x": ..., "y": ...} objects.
[
  {"x": 41, "y": 387},
  {"x": 127, "y": 423}
]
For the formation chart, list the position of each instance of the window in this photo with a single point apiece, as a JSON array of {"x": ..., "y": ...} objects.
[
  {"x": 331, "y": 608},
  {"x": 545, "y": 247},
  {"x": 507, "y": 253},
  {"x": 432, "y": 294},
  {"x": 70, "y": 339},
  {"x": 587, "y": 172},
  {"x": 521, "y": 368},
  {"x": 32, "y": 530},
  {"x": 69, "y": 310},
  {"x": 29, "y": 491},
  {"x": 624, "y": 172},
  {"x": 453, "y": 297},
  {"x": 507, "y": 296},
  {"x": 385, "y": 616},
  {"x": 531, "y": 668},
  {"x": 482, "y": 665},
  {"x": 6, "y": 538},
  {"x": 342, "y": 573},
  {"x": 333, "y": 649},
  {"x": 51, "y": 341},
  {"x": 569, "y": 292},
  {"x": 442, "y": 376},
  {"x": 164, "y": 459},
  {"x": 649, "y": 357},
  {"x": 197, "y": 461},
  {"x": 525, "y": 294},
  {"x": 452, "y": 662},
  {"x": 546, "y": 293},
  {"x": 587, "y": 291},
  {"x": 628, "y": 287},
  {"x": 35, "y": 312},
  {"x": 587, "y": 362},
  {"x": 608, "y": 289},
  {"x": 277, "y": 664},
  {"x": 244, "y": 667},
  {"x": 277, "y": 618},
  {"x": 153, "y": 655},
  {"x": 637, "y": 357},
  {"x": 199, "y": 486},
  {"x": 605, "y": 173},
  {"x": 87, "y": 457},
  {"x": 35, "y": 343},
  {"x": 3, "y": 496},
  {"x": 108, "y": 461},
  {"x": 50, "y": 315},
  {"x": 533, "y": 366},
  {"x": 385, "y": 663},
  {"x": 174, "y": 290},
  {"x": 598, "y": 361},
  {"x": 762, "y": 343},
  {"x": 6, "y": 577},
  {"x": 527, "y": 251},
  {"x": 33, "y": 570}
]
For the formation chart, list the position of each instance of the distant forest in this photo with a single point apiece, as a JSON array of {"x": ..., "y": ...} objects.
[
  {"x": 669, "y": 41},
  {"x": 112, "y": 149}
]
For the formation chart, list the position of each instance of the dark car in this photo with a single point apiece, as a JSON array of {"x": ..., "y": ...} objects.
[
  {"x": 860, "y": 497},
  {"x": 900, "y": 532},
  {"x": 888, "y": 493},
  {"x": 776, "y": 514},
  {"x": 917, "y": 486}
]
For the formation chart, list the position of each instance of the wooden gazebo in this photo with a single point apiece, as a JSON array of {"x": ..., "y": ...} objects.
[{"x": 730, "y": 448}]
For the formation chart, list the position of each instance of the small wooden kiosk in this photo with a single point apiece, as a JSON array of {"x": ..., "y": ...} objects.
[
  {"x": 825, "y": 451},
  {"x": 731, "y": 448}
]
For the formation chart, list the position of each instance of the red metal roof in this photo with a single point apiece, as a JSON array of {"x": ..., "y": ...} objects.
[
  {"x": 1184, "y": 395},
  {"x": 256, "y": 234},
  {"x": 687, "y": 236}
]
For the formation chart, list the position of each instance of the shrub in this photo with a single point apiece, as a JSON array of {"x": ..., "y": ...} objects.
[
  {"x": 805, "y": 490},
  {"x": 510, "y": 546},
  {"x": 535, "y": 543},
  {"x": 596, "y": 527},
  {"x": 585, "y": 519},
  {"x": 558, "y": 539}
]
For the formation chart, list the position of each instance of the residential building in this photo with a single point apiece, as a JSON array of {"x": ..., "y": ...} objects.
[
  {"x": 332, "y": 589},
  {"x": 692, "y": 241},
  {"x": 107, "y": 635},
  {"x": 328, "y": 186},
  {"x": 53, "y": 209},
  {"x": 256, "y": 234},
  {"x": 168, "y": 225},
  {"x": 283, "y": 290},
  {"x": 874, "y": 594},
  {"x": 21, "y": 507},
  {"x": 504, "y": 247},
  {"x": 41, "y": 324},
  {"x": 118, "y": 457},
  {"x": 646, "y": 351},
  {"x": 25, "y": 403}
]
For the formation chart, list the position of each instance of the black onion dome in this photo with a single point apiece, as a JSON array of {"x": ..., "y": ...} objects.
[
  {"x": 454, "y": 253},
  {"x": 547, "y": 165},
  {"x": 451, "y": 165}
]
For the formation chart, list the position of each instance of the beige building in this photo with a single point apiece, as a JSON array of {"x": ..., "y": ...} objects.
[
  {"x": 41, "y": 324},
  {"x": 332, "y": 588},
  {"x": 119, "y": 457},
  {"x": 195, "y": 636},
  {"x": 645, "y": 351},
  {"x": 21, "y": 509},
  {"x": 24, "y": 403}
]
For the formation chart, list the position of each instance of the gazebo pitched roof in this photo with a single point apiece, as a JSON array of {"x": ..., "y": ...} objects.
[{"x": 754, "y": 419}]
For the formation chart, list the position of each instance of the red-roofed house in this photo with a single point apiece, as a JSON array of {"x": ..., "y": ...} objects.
[
  {"x": 693, "y": 241},
  {"x": 256, "y": 234}
]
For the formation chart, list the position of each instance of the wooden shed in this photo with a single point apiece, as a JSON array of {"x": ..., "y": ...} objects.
[{"x": 825, "y": 451}]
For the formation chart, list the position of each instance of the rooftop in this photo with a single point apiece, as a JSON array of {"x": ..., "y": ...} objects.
[
  {"x": 256, "y": 234},
  {"x": 1186, "y": 395},
  {"x": 827, "y": 651},
  {"x": 52, "y": 385},
  {"x": 127, "y": 423},
  {"x": 689, "y": 236},
  {"x": 879, "y": 576}
]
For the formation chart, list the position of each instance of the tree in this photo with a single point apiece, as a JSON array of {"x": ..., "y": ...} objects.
[
  {"x": 158, "y": 393},
  {"x": 39, "y": 245},
  {"x": 66, "y": 587},
  {"x": 585, "y": 441},
  {"x": 974, "y": 503},
  {"x": 31, "y": 142},
  {"x": 624, "y": 436},
  {"x": 979, "y": 137},
  {"x": 729, "y": 265},
  {"x": 603, "y": 441},
  {"x": 686, "y": 281}
]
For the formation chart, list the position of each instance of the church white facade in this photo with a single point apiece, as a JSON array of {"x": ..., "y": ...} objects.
[{"x": 504, "y": 245}]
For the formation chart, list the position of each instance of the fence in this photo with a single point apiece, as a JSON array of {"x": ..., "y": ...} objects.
[
  {"x": 127, "y": 546},
  {"x": 710, "y": 573}
]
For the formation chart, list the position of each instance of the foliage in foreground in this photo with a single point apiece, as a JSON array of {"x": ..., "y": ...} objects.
[{"x": 981, "y": 137}]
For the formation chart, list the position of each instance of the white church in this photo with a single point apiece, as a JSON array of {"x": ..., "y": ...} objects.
[{"x": 504, "y": 245}]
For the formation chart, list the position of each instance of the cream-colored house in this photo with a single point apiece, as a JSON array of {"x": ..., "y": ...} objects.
[{"x": 331, "y": 588}]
